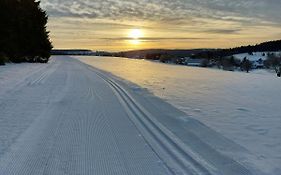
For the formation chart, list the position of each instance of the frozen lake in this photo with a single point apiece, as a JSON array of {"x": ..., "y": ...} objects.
[{"x": 245, "y": 108}]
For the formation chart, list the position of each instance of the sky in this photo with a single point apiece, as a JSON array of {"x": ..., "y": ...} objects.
[{"x": 118, "y": 25}]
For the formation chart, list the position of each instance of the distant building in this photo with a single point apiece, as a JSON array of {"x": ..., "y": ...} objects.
[{"x": 194, "y": 62}]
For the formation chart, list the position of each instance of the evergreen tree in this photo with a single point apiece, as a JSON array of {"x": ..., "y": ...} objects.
[
  {"x": 279, "y": 72},
  {"x": 2, "y": 59},
  {"x": 246, "y": 65},
  {"x": 23, "y": 33}
]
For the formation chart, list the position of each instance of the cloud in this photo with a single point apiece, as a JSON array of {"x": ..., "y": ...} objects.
[
  {"x": 165, "y": 22},
  {"x": 223, "y": 31},
  {"x": 166, "y": 10}
]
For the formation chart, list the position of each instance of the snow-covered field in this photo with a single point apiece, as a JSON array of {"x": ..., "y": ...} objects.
[{"x": 244, "y": 108}]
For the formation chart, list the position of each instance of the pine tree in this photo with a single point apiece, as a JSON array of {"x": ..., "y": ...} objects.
[
  {"x": 23, "y": 33},
  {"x": 246, "y": 65},
  {"x": 5, "y": 26},
  {"x": 2, "y": 59}
]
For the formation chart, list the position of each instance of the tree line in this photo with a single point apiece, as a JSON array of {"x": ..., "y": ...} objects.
[
  {"x": 23, "y": 33},
  {"x": 224, "y": 59},
  {"x": 270, "y": 46}
]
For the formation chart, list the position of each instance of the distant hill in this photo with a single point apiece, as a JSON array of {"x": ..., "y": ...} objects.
[
  {"x": 72, "y": 52},
  {"x": 80, "y": 52},
  {"x": 175, "y": 53},
  {"x": 270, "y": 46}
]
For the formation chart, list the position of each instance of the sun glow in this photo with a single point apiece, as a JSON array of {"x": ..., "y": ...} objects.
[
  {"x": 135, "y": 41},
  {"x": 135, "y": 34}
]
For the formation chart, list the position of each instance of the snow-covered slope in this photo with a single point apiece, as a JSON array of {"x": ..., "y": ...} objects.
[
  {"x": 243, "y": 107},
  {"x": 256, "y": 55}
]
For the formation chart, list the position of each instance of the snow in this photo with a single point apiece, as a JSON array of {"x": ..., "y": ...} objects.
[
  {"x": 55, "y": 120},
  {"x": 244, "y": 108},
  {"x": 67, "y": 117},
  {"x": 256, "y": 55}
]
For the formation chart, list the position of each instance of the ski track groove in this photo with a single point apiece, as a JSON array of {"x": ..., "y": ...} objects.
[
  {"x": 60, "y": 121},
  {"x": 72, "y": 131},
  {"x": 77, "y": 134},
  {"x": 26, "y": 81},
  {"x": 116, "y": 140},
  {"x": 47, "y": 72},
  {"x": 191, "y": 163},
  {"x": 170, "y": 147},
  {"x": 10, "y": 104}
]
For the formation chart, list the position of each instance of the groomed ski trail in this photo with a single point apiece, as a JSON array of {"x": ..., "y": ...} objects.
[{"x": 69, "y": 118}]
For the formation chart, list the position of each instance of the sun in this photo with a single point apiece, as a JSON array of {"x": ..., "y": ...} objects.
[{"x": 135, "y": 33}]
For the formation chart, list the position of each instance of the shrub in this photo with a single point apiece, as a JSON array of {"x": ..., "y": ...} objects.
[
  {"x": 272, "y": 61},
  {"x": 165, "y": 58},
  {"x": 205, "y": 63},
  {"x": 279, "y": 72},
  {"x": 246, "y": 65}
]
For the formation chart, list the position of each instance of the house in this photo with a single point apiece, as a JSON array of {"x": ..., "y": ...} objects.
[{"x": 194, "y": 62}]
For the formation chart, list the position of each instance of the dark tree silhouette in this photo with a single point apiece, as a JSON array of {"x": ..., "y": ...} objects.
[
  {"x": 279, "y": 72},
  {"x": 271, "y": 46},
  {"x": 2, "y": 59},
  {"x": 23, "y": 33},
  {"x": 273, "y": 61},
  {"x": 246, "y": 65}
]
